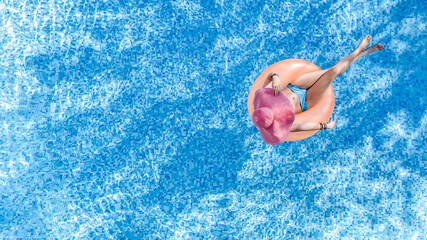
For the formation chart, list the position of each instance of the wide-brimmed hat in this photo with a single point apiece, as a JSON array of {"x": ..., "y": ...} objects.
[{"x": 273, "y": 115}]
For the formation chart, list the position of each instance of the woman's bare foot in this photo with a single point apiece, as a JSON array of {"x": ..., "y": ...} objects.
[
  {"x": 365, "y": 42},
  {"x": 375, "y": 48}
]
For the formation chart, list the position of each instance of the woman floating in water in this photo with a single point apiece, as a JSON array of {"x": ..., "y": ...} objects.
[{"x": 305, "y": 91}]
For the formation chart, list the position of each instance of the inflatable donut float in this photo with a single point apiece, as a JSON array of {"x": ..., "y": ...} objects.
[{"x": 289, "y": 70}]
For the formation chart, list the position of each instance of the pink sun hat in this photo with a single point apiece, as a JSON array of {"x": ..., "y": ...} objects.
[{"x": 273, "y": 115}]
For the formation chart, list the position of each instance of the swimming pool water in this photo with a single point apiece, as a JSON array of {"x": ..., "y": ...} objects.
[{"x": 128, "y": 120}]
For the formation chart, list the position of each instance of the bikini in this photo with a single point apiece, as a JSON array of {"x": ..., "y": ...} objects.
[{"x": 300, "y": 92}]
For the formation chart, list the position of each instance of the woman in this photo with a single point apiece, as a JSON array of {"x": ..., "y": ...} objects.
[{"x": 309, "y": 88}]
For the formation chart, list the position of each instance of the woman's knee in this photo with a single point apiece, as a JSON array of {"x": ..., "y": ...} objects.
[{"x": 335, "y": 70}]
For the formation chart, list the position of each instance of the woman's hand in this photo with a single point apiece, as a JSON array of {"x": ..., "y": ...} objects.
[
  {"x": 331, "y": 124},
  {"x": 276, "y": 85},
  {"x": 275, "y": 82}
]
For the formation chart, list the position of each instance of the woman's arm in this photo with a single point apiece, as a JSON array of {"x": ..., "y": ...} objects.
[
  {"x": 309, "y": 126},
  {"x": 274, "y": 83}
]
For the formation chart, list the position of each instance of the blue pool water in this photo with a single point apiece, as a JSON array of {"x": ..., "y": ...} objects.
[{"x": 128, "y": 120}]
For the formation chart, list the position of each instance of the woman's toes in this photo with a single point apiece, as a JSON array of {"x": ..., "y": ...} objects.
[
  {"x": 379, "y": 47},
  {"x": 365, "y": 42}
]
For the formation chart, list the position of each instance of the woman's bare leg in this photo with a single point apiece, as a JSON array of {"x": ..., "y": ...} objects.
[
  {"x": 316, "y": 91},
  {"x": 307, "y": 80}
]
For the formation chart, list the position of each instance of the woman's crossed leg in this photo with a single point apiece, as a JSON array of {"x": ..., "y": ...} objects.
[{"x": 318, "y": 82}]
